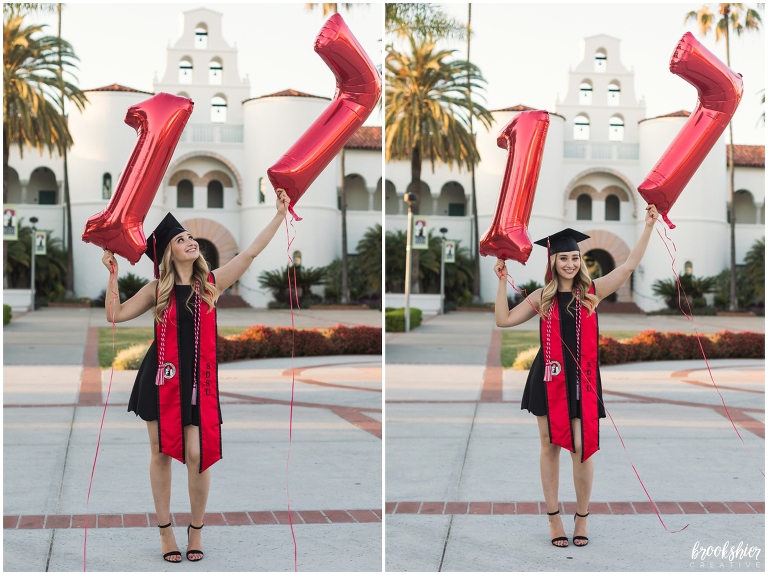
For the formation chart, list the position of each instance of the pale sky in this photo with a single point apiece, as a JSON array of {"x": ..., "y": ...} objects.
[
  {"x": 526, "y": 50},
  {"x": 126, "y": 43}
]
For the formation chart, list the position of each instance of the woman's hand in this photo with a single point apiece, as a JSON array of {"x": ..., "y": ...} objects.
[
  {"x": 283, "y": 201},
  {"x": 651, "y": 215},
  {"x": 500, "y": 268},
  {"x": 108, "y": 259}
]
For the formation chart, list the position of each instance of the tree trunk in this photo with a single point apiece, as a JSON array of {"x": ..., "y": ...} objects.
[
  {"x": 415, "y": 187},
  {"x": 475, "y": 239},
  {"x": 734, "y": 300},
  {"x": 70, "y": 278},
  {"x": 344, "y": 258},
  {"x": 6, "y": 153}
]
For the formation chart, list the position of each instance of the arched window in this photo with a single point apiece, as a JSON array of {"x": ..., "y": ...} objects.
[
  {"x": 585, "y": 93},
  {"x": 581, "y": 128},
  {"x": 215, "y": 194},
  {"x": 584, "y": 207},
  {"x": 218, "y": 110},
  {"x": 185, "y": 71},
  {"x": 215, "y": 72},
  {"x": 601, "y": 60},
  {"x": 106, "y": 186},
  {"x": 201, "y": 36},
  {"x": 263, "y": 190},
  {"x": 185, "y": 194},
  {"x": 616, "y": 129},
  {"x": 614, "y": 94},
  {"x": 612, "y": 208}
]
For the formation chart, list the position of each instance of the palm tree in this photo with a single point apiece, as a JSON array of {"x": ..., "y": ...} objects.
[
  {"x": 428, "y": 111},
  {"x": 754, "y": 268},
  {"x": 327, "y": 8},
  {"x": 475, "y": 240},
  {"x": 421, "y": 20},
  {"x": 35, "y": 84},
  {"x": 738, "y": 19},
  {"x": 369, "y": 257}
]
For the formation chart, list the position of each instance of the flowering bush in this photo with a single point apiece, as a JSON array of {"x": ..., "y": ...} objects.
[
  {"x": 261, "y": 341},
  {"x": 658, "y": 346}
]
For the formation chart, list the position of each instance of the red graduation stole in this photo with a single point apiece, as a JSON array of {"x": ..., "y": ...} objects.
[
  {"x": 205, "y": 389},
  {"x": 555, "y": 351}
]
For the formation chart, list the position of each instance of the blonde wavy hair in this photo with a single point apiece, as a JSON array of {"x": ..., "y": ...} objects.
[
  {"x": 581, "y": 282},
  {"x": 200, "y": 272}
]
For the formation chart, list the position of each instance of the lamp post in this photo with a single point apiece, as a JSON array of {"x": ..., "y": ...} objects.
[
  {"x": 33, "y": 220},
  {"x": 443, "y": 231},
  {"x": 409, "y": 198}
]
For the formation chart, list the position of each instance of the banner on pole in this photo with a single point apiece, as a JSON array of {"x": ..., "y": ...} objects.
[
  {"x": 450, "y": 252},
  {"x": 10, "y": 222},
  {"x": 41, "y": 243},
  {"x": 420, "y": 240}
]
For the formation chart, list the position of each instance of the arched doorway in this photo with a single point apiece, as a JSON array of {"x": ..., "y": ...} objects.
[
  {"x": 210, "y": 253},
  {"x": 600, "y": 263}
]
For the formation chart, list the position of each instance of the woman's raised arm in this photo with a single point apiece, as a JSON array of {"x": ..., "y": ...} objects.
[
  {"x": 233, "y": 270},
  {"x": 522, "y": 312}
]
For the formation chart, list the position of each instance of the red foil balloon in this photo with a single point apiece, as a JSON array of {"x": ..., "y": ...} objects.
[
  {"x": 720, "y": 90},
  {"x": 159, "y": 123},
  {"x": 524, "y": 137},
  {"x": 358, "y": 88}
]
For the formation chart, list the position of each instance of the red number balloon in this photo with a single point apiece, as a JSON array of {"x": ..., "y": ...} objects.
[
  {"x": 524, "y": 137},
  {"x": 358, "y": 88},
  {"x": 159, "y": 123},
  {"x": 720, "y": 90}
]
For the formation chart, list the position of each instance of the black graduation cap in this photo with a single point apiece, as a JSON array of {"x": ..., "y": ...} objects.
[
  {"x": 159, "y": 239},
  {"x": 566, "y": 240}
]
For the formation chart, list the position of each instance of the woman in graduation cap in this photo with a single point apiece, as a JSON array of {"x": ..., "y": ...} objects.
[
  {"x": 176, "y": 388},
  {"x": 563, "y": 389}
]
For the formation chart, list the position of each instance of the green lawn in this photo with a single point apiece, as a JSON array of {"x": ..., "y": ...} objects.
[
  {"x": 513, "y": 342},
  {"x": 128, "y": 336}
]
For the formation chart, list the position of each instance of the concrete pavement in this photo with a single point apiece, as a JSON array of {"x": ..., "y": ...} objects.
[
  {"x": 53, "y": 403},
  {"x": 463, "y": 490}
]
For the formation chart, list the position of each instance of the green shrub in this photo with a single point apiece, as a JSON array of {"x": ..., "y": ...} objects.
[
  {"x": 129, "y": 285},
  {"x": 7, "y": 314},
  {"x": 394, "y": 320},
  {"x": 524, "y": 359},
  {"x": 130, "y": 357}
]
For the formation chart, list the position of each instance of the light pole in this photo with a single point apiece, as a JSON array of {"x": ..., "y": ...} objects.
[
  {"x": 33, "y": 220},
  {"x": 443, "y": 231},
  {"x": 409, "y": 198}
]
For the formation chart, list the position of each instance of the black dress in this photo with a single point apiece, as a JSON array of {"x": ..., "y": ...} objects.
[
  {"x": 534, "y": 396},
  {"x": 144, "y": 397}
]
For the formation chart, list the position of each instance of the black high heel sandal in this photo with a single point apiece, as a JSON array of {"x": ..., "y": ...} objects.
[
  {"x": 194, "y": 551},
  {"x": 580, "y": 537},
  {"x": 167, "y": 556},
  {"x": 558, "y": 538}
]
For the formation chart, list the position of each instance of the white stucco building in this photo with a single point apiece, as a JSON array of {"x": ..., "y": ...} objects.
[
  {"x": 216, "y": 184},
  {"x": 599, "y": 148}
]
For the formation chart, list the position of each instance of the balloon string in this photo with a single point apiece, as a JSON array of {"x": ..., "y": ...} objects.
[
  {"x": 293, "y": 380},
  {"x": 101, "y": 426},
  {"x": 680, "y": 290},
  {"x": 615, "y": 427}
]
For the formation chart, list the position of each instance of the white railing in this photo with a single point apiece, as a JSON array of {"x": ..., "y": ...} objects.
[
  {"x": 213, "y": 133},
  {"x": 601, "y": 151}
]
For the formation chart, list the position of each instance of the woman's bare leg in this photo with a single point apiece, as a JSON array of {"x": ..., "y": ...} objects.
[
  {"x": 583, "y": 473},
  {"x": 199, "y": 485},
  {"x": 550, "y": 478},
  {"x": 160, "y": 480}
]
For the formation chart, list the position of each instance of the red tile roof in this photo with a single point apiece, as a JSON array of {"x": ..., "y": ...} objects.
[
  {"x": 748, "y": 156},
  {"x": 678, "y": 114},
  {"x": 117, "y": 88},
  {"x": 366, "y": 138},
  {"x": 523, "y": 108},
  {"x": 289, "y": 93}
]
